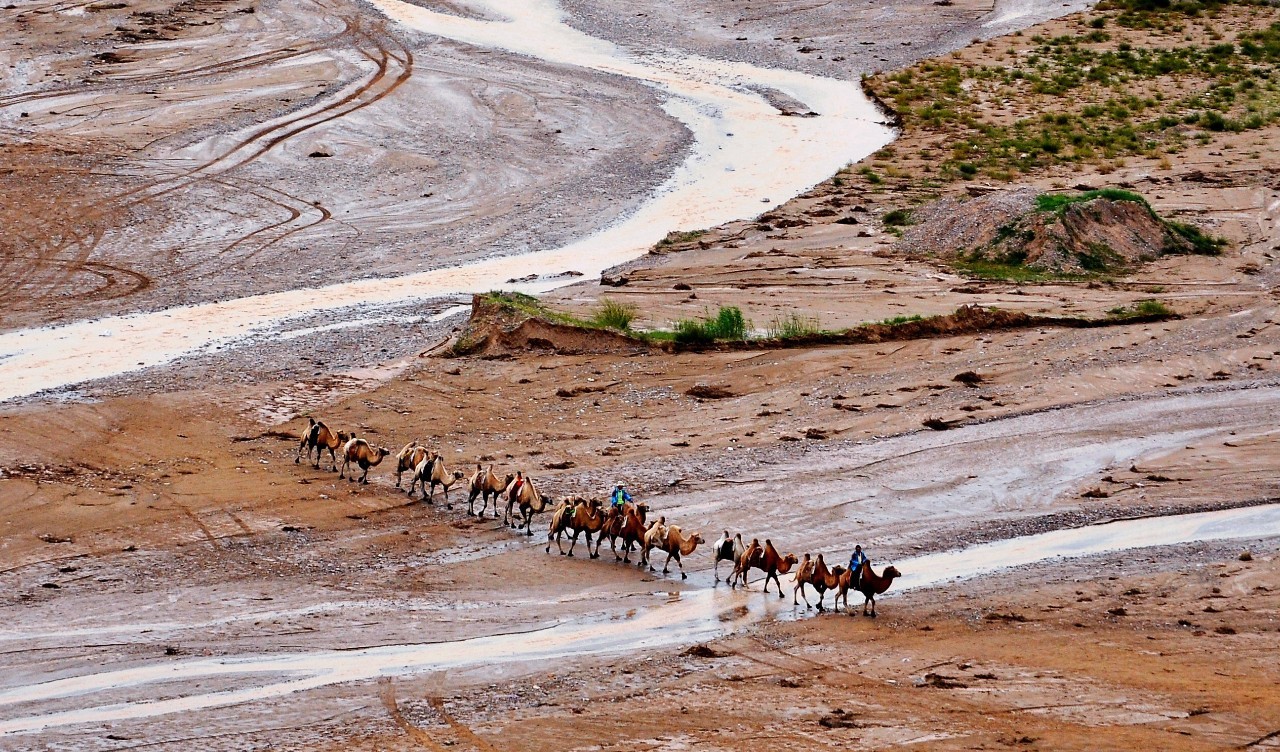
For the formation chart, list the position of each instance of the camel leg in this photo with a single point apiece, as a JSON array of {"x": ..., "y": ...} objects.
[
  {"x": 343, "y": 470},
  {"x": 777, "y": 582},
  {"x": 766, "y": 583},
  {"x": 447, "y": 504},
  {"x": 800, "y": 589},
  {"x": 667, "y": 563},
  {"x": 573, "y": 541},
  {"x": 364, "y": 478},
  {"x": 680, "y": 564},
  {"x": 821, "y": 594}
]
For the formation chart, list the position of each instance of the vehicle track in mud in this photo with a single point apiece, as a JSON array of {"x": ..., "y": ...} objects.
[{"x": 61, "y": 250}]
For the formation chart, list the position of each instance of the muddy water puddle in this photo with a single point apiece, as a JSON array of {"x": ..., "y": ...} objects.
[{"x": 668, "y": 619}]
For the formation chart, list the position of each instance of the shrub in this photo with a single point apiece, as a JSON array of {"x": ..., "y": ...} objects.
[
  {"x": 1202, "y": 244},
  {"x": 614, "y": 315},
  {"x": 1058, "y": 202},
  {"x": 897, "y": 218},
  {"x": 1141, "y": 308}
]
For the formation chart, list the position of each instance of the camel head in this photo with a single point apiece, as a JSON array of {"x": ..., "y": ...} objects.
[
  {"x": 457, "y": 475},
  {"x": 891, "y": 572},
  {"x": 698, "y": 540},
  {"x": 790, "y": 559}
]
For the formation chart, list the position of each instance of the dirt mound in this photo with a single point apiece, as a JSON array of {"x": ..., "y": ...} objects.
[
  {"x": 504, "y": 326},
  {"x": 1088, "y": 233}
]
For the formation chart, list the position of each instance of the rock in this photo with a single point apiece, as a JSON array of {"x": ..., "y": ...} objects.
[
  {"x": 815, "y": 433},
  {"x": 681, "y": 286},
  {"x": 968, "y": 378},
  {"x": 940, "y": 681},
  {"x": 1095, "y": 493},
  {"x": 563, "y": 465},
  {"x": 937, "y": 424},
  {"x": 1118, "y": 611},
  {"x": 1245, "y": 556},
  {"x": 618, "y": 281},
  {"x": 319, "y": 154},
  {"x": 709, "y": 391}
]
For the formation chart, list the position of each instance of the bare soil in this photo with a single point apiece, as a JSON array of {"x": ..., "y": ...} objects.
[{"x": 165, "y": 521}]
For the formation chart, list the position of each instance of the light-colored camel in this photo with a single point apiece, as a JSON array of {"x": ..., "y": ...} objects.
[
  {"x": 432, "y": 470},
  {"x": 817, "y": 575},
  {"x": 730, "y": 550},
  {"x": 522, "y": 494},
  {"x": 769, "y": 561},
  {"x": 363, "y": 454},
  {"x": 742, "y": 563},
  {"x": 485, "y": 484},
  {"x": 655, "y": 533},
  {"x": 868, "y": 583},
  {"x": 407, "y": 459},
  {"x": 319, "y": 437},
  {"x": 676, "y": 545}
]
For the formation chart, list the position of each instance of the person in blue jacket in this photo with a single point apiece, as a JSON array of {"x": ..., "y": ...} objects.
[
  {"x": 855, "y": 563},
  {"x": 619, "y": 496}
]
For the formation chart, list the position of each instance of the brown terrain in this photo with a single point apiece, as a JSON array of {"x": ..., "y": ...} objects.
[{"x": 166, "y": 524}]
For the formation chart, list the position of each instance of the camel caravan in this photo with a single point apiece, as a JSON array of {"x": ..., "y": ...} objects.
[{"x": 625, "y": 524}]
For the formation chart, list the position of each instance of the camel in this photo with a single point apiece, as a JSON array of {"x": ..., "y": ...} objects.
[
  {"x": 817, "y": 575},
  {"x": 627, "y": 523},
  {"x": 770, "y": 562},
  {"x": 319, "y": 437},
  {"x": 421, "y": 469},
  {"x": 407, "y": 459},
  {"x": 432, "y": 470},
  {"x": 675, "y": 544},
  {"x": 655, "y": 533},
  {"x": 576, "y": 516},
  {"x": 869, "y": 584},
  {"x": 484, "y": 483},
  {"x": 522, "y": 493},
  {"x": 728, "y": 549},
  {"x": 560, "y": 520},
  {"x": 363, "y": 454},
  {"x": 742, "y": 563}
]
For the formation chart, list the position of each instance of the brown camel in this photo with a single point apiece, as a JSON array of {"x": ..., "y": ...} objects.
[
  {"x": 485, "y": 484},
  {"x": 869, "y": 584},
  {"x": 407, "y": 459},
  {"x": 730, "y": 550},
  {"x": 817, "y": 575},
  {"x": 742, "y": 563},
  {"x": 523, "y": 494},
  {"x": 655, "y": 533},
  {"x": 675, "y": 544},
  {"x": 432, "y": 470},
  {"x": 576, "y": 517},
  {"x": 319, "y": 437},
  {"x": 771, "y": 563},
  {"x": 627, "y": 524},
  {"x": 560, "y": 520},
  {"x": 363, "y": 454},
  {"x": 424, "y": 459}
]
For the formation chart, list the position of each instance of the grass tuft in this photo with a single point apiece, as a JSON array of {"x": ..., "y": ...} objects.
[
  {"x": 614, "y": 315},
  {"x": 793, "y": 325}
]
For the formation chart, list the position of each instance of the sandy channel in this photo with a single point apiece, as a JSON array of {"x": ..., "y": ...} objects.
[
  {"x": 746, "y": 158},
  {"x": 687, "y": 617}
]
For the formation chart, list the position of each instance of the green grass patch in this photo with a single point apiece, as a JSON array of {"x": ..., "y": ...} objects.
[
  {"x": 1140, "y": 309},
  {"x": 1203, "y": 245},
  {"x": 727, "y": 324},
  {"x": 900, "y": 320},
  {"x": 1057, "y": 203},
  {"x": 678, "y": 237},
  {"x": 794, "y": 325},
  {"x": 1008, "y": 272},
  {"x": 614, "y": 315}
]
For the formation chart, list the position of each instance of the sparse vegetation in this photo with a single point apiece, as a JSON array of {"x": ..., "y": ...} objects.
[
  {"x": 793, "y": 325},
  {"x": 1058, "y": 202},
  {"x": 727, "y": 324},
  {"x": 1007, "y": 272},
  {"x": 679, "y": 237},
  {"x": 897, "y": 218},
  {"x": 614, "y": 315},
  {"x": 1142, "y": 308},
  {"x": 899, "y": 320},
  {"x": 1100, "y": 98}
]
